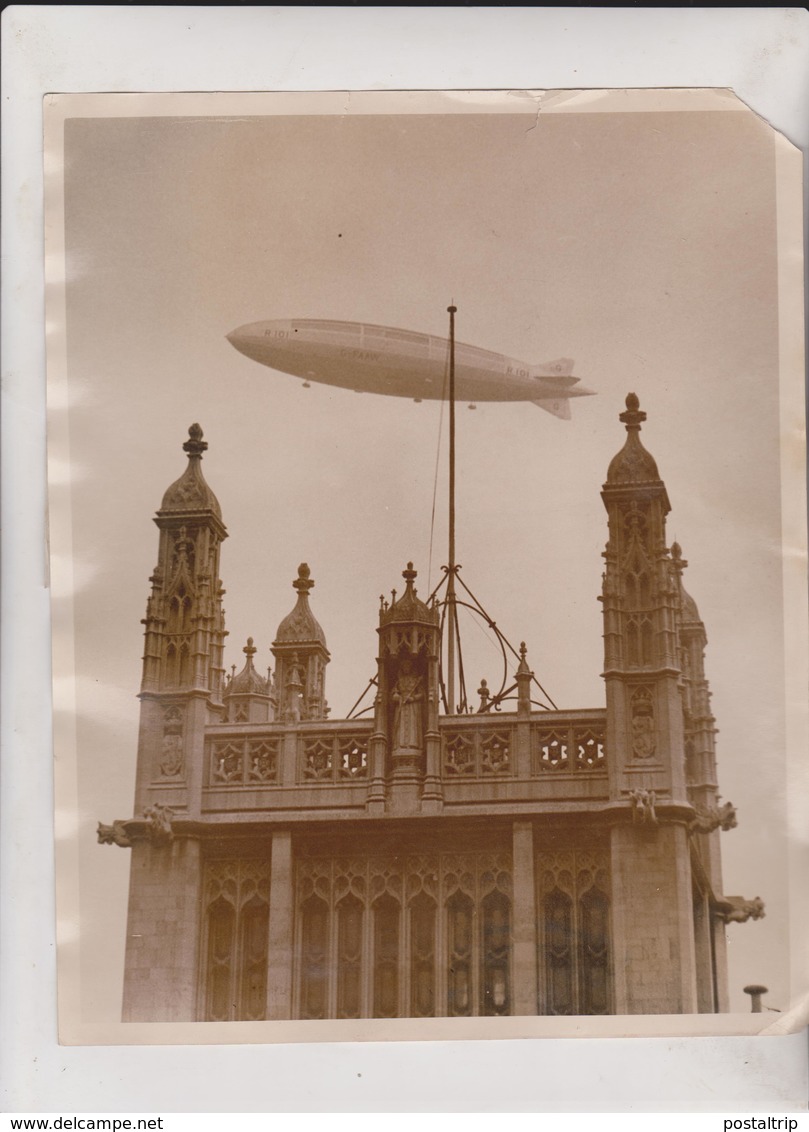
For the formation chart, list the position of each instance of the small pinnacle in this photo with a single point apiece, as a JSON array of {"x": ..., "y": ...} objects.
[{"x": 249, "y": 648}]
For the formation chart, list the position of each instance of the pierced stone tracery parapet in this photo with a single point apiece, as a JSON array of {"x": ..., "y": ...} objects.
[{"x": 560, "y": 747}]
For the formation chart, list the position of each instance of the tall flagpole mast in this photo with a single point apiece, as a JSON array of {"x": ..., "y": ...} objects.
[{"x": 451, "y": 609}]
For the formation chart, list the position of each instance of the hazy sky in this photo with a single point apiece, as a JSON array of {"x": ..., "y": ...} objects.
[{"x": 641, "y": 244}]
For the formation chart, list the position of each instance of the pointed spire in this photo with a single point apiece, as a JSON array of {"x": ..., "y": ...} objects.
[
  {"x": 300, "y": 625},
  {"x": 190, "y": 492},
  {"x": 409, "y": 606},
  {"x": 248, "y": 682},
  {"x": 633, "y": 464}
]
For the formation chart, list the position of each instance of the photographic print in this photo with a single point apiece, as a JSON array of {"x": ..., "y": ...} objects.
[{"x": 421, "y": 466}]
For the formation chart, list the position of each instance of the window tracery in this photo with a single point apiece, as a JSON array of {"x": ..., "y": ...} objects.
[
  {"x": 573, "y": 937},
  {"x": 417, "y": 935},
  {"x": 236, "y": 904}
]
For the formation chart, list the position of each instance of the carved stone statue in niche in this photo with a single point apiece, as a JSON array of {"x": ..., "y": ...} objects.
[
  {"x": 171, "y": 754},
  {"x": 171, "y": 748},
  {"x": 644, "y": 742},
  {"x": 408, "y": 701}
]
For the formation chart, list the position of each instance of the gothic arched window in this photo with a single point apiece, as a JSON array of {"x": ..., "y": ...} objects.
[
  {"x": 221, "y": 925},
  {"x": 314, "y": 957},
  {"x": 558, "y": 916},
  {"x": 349, "y": 958},
  {"x": 496, "y": 953},
  {"x": 459, "y": 956},
  {"x": 422, "y": 957},
  {"x": 236, "y": 939},
  {"x": 253, "y": 929},
  {"x": 594, "y": 952},
  {"x": 386, "y": 958}
]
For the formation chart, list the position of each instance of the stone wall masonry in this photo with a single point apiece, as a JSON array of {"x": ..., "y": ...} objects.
[
  {"x": 652, "y": 919},
  {"x": 163, "y": 929}
]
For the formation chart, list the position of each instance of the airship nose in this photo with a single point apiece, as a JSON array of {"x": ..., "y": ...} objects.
[
  {"x": 249, "y": 330},
  {"x": 247, "y": 339}
]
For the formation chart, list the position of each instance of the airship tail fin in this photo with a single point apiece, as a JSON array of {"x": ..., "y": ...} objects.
[
  {"x": 560, "y": 408},
  {"x": 559, "y": 367}
]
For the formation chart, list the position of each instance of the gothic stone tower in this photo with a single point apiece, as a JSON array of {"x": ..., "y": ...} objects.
[
  {"x": 668, "y": 942},
  {"x": 181, "y": 691}
]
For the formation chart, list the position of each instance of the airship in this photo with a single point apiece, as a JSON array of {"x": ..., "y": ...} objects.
[{"x": 401, "y": 363}]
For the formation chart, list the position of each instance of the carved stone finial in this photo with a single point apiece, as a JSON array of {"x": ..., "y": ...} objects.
[
  {"x": 249, "y": 649},
  {"x": 677, "y": 559},
  {"x": 195, "y": 445},
  {"x": 634, "y": 416},
  {"x": 485, "y": 695},
  {"x": 410, "y": 575},
  {"x": 303, "y": 583},
  {"x": 522, "y": 667}
]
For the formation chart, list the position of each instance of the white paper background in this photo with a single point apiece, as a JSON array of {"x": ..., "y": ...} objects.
[{"x": 762, "y": 55}]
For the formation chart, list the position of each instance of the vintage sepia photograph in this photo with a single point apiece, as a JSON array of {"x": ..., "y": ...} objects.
[{"x": 423, "y": 483}]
